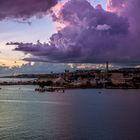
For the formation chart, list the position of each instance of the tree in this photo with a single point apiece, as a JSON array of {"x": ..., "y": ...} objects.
[
  {"x": 41, "y": 84},
  {"x": 49, "y": 83}
]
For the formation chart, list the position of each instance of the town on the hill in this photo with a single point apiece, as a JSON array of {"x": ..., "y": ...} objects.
[{"x": 121, "y": 78}]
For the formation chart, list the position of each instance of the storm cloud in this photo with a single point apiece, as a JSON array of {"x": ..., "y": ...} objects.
[
  {"x": 91, "y": 34},
  {"x": 24, "y": 9}
]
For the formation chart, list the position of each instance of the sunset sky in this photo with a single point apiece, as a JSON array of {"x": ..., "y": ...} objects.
[{"x": 71, "y": 33}]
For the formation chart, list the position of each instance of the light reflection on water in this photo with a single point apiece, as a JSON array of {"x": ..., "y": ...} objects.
[
  {"x": 30, "y": 102},
  {"x": 73, "y": 115}
]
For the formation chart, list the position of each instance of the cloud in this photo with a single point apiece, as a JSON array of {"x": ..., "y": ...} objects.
[
  {"x": 103, "y": 27},
  {"x": 23, "y": 9},
  {"x": 90, "y": 34},
  {"x": 43, "y": 68},
  {"x": 37, "y": 68},
  {"x": 129, "y": 9}
]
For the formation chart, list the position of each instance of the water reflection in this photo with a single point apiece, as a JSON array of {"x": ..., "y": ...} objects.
[{"x": 73, "y": 115}]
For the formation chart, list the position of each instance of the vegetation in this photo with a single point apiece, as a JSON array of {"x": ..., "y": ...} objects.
[{"x": 43, "y": 83}]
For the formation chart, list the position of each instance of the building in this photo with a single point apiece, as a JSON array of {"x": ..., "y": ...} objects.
[
  {"x": 117, "y": 78},
  {"x": 59, "y": 81}
]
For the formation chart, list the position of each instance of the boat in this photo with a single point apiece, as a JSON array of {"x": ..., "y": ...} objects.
[{"x": 50, "y": 89}]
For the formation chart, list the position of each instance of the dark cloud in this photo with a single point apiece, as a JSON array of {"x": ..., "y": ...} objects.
[
  {"x": 91, "y": 34},
  {"x": 10, "y": 9},
  {"x": 129, "y": 9}
]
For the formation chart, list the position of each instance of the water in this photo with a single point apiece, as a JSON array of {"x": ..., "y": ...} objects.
[
  {"x": 16, "y": 79},
  {"x": 73, "y": 115}
]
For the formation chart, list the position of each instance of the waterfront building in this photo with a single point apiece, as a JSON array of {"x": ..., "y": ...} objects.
[
  {"x": 117, "y": 78},
  {"x": 59, "y": 81}
]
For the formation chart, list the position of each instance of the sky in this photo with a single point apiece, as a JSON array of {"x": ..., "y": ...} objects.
[{"x": 55, "y": 35}]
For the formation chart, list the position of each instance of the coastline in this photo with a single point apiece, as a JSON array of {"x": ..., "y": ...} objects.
[{"x": 66, "y": 87}]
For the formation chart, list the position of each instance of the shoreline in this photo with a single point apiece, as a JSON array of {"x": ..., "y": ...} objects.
[{"x": 67, "y": 87}]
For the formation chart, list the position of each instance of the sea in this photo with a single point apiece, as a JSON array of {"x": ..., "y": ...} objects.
[
  {"x": 16, "y": 79},
  {"x": 78, "y": 114}
]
